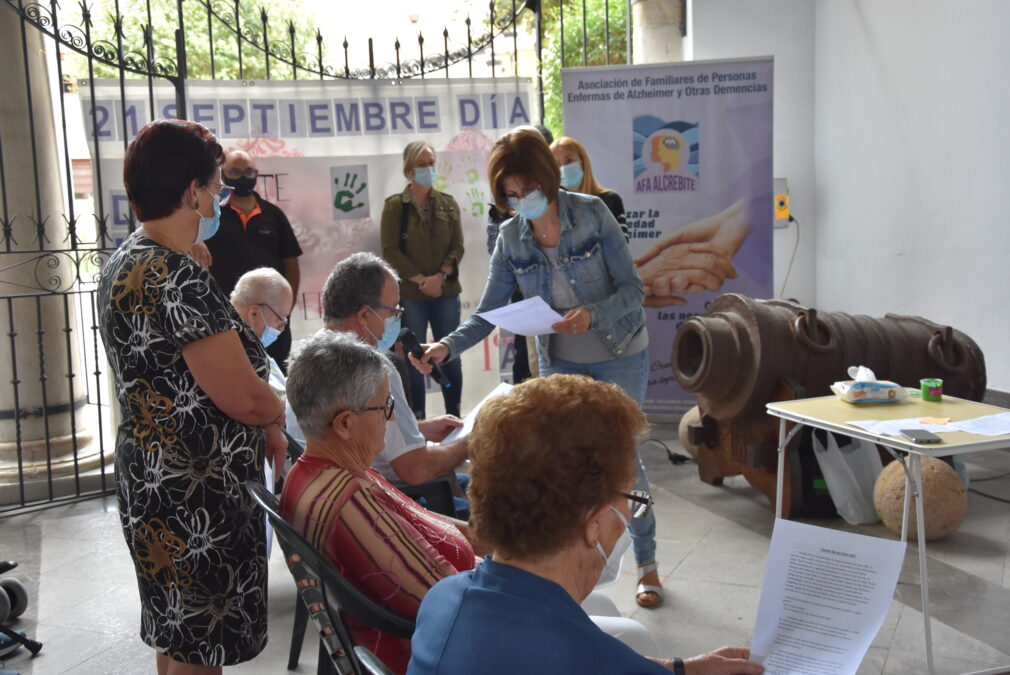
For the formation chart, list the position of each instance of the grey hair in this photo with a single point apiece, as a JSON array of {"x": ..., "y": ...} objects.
[
  {"x": 330, "y": 372},
  {"x": 355, "y": 282},
  {"x": 411, "y": 153},
  {"x": 264, "y": 284}
]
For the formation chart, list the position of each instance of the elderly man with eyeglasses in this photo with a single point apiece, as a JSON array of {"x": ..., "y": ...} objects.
[
  {"x": 362, "y": 297},
  {"x": 253, "y": 233}
]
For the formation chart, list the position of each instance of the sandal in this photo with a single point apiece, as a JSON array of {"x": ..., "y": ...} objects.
[{"x": 647, "y": 595}]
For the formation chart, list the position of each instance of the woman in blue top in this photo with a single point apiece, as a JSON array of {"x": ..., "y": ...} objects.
[
  {"x": 568, "y": 249},
  {"x": 550, "y": 493}
]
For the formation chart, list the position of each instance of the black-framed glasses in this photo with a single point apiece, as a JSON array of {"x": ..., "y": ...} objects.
[
  {"x": 274, "y": 312},
  {"x": 639, "y": 502},
  {"x": 224, "y": 192},
  {"x": 387, "y": 409},
  {"x": 396, "y": 311},
  {"x": 251, "y": 172}
]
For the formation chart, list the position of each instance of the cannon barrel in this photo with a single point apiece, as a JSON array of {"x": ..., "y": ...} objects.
[{"x": 743, "y": 353}]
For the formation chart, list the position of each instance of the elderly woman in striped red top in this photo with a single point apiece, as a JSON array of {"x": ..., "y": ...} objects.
[{"x": 388, "y": 546}]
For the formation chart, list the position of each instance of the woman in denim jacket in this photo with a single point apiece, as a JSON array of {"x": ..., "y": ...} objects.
[{"x": 568, "y": 249}]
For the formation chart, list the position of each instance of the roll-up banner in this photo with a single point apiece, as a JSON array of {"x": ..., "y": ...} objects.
[
  {"x": 688, "y": 147},
  {"x": 329, "y": 154}
]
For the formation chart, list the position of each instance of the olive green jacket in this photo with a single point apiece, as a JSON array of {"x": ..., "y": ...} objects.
[{"x": 428, "y": 247}]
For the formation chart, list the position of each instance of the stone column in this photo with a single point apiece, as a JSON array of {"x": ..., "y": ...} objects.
[
  {"x": 42, "y": 383},
  {"x": 656, "y": 35}
]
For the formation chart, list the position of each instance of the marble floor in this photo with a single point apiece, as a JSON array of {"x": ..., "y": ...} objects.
[{"x": 712, "y": 548}]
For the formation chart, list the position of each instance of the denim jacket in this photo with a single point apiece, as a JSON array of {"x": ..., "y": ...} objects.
[{"x": 594, "y": 255}]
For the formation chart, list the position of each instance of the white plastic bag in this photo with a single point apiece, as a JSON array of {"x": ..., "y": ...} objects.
[{"x": 850, "y": 472}]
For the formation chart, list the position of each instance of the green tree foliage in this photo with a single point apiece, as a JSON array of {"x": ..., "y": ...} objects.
[
  {"x": 212, "y": 45},
  {"x": 603, "y": 19}
]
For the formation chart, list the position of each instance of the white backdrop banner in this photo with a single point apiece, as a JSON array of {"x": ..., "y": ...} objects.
[
  {"x": 329, "y": 153},
  {"x": 688, "y": 147}
]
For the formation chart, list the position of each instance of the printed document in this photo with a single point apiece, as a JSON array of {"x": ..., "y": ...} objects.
[
  {"x": 532, "y": 316},
  {"x": 463, "y": 431},
  {"x": 825, "y": 596}
]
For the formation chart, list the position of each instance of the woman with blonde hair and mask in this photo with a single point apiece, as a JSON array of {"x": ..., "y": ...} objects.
[
  {"x": 422, "y": 238},
  {"x": 577, "y": 176}
]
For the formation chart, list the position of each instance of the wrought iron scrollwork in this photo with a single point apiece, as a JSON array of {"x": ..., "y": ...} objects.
[
  {"x": 53, "y": 272},
  {"x": 103, "y": 51}
]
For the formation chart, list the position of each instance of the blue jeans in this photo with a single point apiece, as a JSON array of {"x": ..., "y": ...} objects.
[
  {"x": 630, "y": 373},
  {"x": 443, "y": 314}
]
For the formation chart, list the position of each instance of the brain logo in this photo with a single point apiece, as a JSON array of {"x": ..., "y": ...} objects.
[
  {"x": 666, "y": 151},
  {"x": 664, "y": 147}
]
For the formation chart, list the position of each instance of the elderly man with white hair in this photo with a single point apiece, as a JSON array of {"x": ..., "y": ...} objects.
[{"x": 264, "y": 300}]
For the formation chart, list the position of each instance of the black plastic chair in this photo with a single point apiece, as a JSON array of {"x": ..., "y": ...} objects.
[
  {"x": 437, "y": 494},
  {"x": 324, "y": 592}
]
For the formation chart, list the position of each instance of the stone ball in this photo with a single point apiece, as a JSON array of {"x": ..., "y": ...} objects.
[
  {"x": 692, "y": 416},
  {"x": 944, "y": 506}
]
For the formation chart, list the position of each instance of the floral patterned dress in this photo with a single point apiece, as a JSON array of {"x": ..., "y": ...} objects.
[{"x": 197, "y": 539}]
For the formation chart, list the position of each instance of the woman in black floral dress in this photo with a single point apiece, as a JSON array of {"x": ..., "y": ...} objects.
[{"x": 197, "y": 413}]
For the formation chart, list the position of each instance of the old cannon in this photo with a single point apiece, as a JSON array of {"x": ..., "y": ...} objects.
[{"x": 743, "y": 353}]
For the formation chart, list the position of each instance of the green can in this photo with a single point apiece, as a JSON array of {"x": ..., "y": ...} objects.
[{"x": 932, "y": 388}]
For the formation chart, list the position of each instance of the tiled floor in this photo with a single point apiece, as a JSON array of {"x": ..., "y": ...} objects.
[{"x": 713, "y": 544}]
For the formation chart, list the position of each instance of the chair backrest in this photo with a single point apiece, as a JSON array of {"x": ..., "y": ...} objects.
[
  {"x": 346, "y": 596},
  {"x": 437, "y": 494}
]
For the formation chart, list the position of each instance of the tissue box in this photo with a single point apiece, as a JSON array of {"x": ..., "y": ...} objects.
[{"x": 877, "y": 391}]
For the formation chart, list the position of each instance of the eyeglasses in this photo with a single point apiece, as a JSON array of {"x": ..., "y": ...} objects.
[
  {"x": 251, "y": 172},
  {"x": 387, "y": 409},
  {"x": 526, "y": 193},
  {"x": 274, "y": 312},
  {"x": 396, "y": 311},
  {"x": 224, "y": 192},
  {"x": 639, "y": 502}
]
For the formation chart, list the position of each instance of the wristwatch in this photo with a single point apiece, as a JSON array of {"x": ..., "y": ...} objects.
[
  {"x": 444, "y": 276},
  {"x": 678, "y": 667}
]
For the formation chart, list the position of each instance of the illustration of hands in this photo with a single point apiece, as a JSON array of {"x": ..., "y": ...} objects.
[
  {"x": 477, "y": 198},
  {"x": 696, "y": 258},
  {"x": 344, "y": 199}
]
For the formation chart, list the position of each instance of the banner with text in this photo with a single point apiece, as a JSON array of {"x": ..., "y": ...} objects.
[
  {"x": 329, "y": 154},
  {"x": 689, "y": 149}
]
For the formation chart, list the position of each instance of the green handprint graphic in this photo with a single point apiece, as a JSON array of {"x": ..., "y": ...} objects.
[
  {"x": 476, "y": 195},
  {"x": 442, "y": 180},
  {"x": 344, "y": 199}
]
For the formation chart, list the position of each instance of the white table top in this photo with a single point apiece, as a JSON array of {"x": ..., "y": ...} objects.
[{"x": 832, "y": 414}]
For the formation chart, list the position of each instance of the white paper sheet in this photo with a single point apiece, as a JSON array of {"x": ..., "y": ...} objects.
[
  {"x": 825, "y": 596},
  {"x": 990, "y": 425},
  {"x": 532, "y": 316},
  {"x": 894, "y": 427},
  {"x": 463, "y": 431}
]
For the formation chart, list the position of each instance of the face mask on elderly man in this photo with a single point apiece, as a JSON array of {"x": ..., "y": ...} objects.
[{"x": 391, "y": 330}]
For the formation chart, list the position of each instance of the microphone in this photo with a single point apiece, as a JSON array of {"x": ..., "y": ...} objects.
[{"x": 410, "y": 343}]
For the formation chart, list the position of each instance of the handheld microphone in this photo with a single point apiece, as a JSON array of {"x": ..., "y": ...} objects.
[{"x": 410, "y": 343}]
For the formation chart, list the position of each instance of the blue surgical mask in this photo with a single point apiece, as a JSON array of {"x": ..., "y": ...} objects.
[
  {"x": 571, "y": 176},
  {"x": 425, "y": 175},
  {"x": 530, "y": 207},
  {"x": 270, "y": 335},
  {"x": 209, "y": 225},
  {"x": 390, "y": 332}
]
